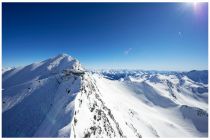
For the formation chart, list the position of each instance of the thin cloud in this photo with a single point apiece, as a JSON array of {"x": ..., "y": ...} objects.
[
  {"x": 180, "y": 34},
  {"x": 126, "y": 52}
]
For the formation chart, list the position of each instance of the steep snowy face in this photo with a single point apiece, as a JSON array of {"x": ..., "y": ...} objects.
[
  {"x": 6, "y": 69},
  {"x": 40, "y": 70},
  {"x": 92, "y": 117},
  {"x": 63, "y": 61},
  {"x": 38, "y": 99},
  {"x": 198, "y": 76}
]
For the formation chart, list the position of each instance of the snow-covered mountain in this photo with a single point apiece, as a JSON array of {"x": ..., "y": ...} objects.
[
  {"x": 58, "y": 98},
  {"x": 6, "y": 69}
]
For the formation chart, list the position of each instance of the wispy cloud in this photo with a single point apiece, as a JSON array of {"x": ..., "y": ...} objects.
[
  {"x": 180, "y": 34},
  {"x": 126, "y": 52}
]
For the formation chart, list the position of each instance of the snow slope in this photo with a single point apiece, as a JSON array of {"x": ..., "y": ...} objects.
[
  {"x": 38, "y": 99},
  {"x": 114, "y": 108},
  {"x": 52, "y": 99},
  {"x": 6, "y": 69}
]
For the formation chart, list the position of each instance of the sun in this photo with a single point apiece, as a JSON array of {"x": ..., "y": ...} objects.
[{"x": 195, "y": 4}]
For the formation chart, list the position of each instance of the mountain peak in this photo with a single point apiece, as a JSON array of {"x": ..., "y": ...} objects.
[
  {"x": 64, "y": 61},
  {"x": 62, "y": 55},
  {"x": 40, "y": 70}
]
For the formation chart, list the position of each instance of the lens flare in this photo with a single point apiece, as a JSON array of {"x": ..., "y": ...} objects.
[{"x": 195, "y": 5}]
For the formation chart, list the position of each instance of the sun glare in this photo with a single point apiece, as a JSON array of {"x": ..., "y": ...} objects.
[{"x": 195, "y": 4}]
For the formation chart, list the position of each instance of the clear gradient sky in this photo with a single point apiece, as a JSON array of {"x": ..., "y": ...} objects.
[{"x": 150, "y": 36}]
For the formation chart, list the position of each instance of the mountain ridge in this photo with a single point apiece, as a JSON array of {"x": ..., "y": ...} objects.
[{"x": 57, "y": 97}]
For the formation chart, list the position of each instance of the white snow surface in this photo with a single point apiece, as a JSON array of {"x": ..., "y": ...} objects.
[{"x": 39, "y": 100}]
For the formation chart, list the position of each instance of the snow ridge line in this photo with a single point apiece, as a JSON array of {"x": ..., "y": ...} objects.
[
  {"x": 101, "y": 113},
  {"x": 109, "y": 111}
]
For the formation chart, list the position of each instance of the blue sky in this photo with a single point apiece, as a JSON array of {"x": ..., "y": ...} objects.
[{"x": 151, "y": 36}]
